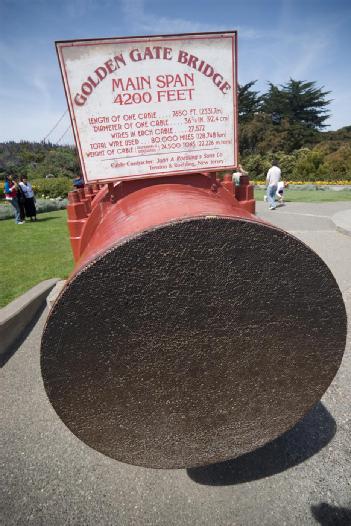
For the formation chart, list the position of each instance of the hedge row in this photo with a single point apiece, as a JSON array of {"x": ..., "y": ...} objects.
[
  {"x": 58, "y": 187},
  {"x": 303, "y": 165}
]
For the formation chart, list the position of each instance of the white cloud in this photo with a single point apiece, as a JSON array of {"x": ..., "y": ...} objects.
[
  {"x": 142, "y": 22},
  {"x": 77, "y": 9},
  {"x": 145, "y": 22},
  {"x": 312, "y": 51},
  {"x": 283, "y": 55},
  {"x": 31, "y": 92}
]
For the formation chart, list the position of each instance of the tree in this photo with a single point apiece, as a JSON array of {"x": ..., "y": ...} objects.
[
  {"x": 37, "y": 159},
  {"x": 275, "y": 103},
  {"x": 299, "y": 136},
  {"x": 249, "y": 101},
  {"x": 259, "y": 135},
  {"x": 300, "y": 101}
]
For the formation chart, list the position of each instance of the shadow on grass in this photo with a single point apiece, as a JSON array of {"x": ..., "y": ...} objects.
[
  {"x": 42, "y": 219},
  {"x": 24, "y": 334},
  {"x": 39, "y": 219},
  {"x": 309, "y": 436},
  {"x": 328, "y": 515}
]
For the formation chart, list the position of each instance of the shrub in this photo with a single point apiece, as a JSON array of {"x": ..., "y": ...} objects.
[
  {"x": 256, "y": 165},
  {"x": 62, "y": 162},
  {"x": 309, "y": 166},
  {"x": 287, "y": 164},
  {"x": 306, "y": 164},
  {"x": 338, "y": 163},
  {"x": 58, "y": 187}
]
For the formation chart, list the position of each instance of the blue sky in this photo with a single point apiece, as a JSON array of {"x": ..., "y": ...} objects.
[{"x": 278, "y": 39}]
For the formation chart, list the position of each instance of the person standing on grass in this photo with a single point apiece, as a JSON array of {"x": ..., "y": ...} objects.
[
  {"x": 272, "y": 180},
  {"x": 21, "y": 198},
  {"x": 11, "y": 195},
  {"x": 29, "y": 199}
]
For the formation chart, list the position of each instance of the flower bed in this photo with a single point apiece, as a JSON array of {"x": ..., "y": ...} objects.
[{"x": 308, "y": 183}]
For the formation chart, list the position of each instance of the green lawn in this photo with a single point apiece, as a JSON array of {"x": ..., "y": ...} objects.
[
  {"x": 309, "y": 196},
  {"x": 33, "y": 252}
]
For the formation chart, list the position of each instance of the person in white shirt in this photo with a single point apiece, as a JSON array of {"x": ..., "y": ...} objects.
[
  {"x": 272, "y": 180},
  {"x": 29, "y": 202},
  {"x": 280, "y": 191}
]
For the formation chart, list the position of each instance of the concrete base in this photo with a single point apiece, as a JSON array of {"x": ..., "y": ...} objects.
[
  {"x": 342, "y": 221},
  {"x": 50, "y": 300},
  {"x": 15, "y": 317}
]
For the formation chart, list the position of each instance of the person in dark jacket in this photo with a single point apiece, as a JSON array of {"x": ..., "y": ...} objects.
[
  {"x": 29, "y": 198},
  {"x": 21, "y": 198}
]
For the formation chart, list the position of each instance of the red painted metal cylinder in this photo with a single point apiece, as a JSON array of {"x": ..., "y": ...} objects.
[
  {"x": 129, "y": 208},
  {"x": 190, "y": 331}
]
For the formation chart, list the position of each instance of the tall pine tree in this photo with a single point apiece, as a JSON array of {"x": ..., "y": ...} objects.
[
  {"x": 299, "y": 101},
  {"x": 249, "y": 101}
]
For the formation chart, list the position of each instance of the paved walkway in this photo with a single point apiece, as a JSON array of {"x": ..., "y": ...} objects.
[{"x": 49, "y": 477}]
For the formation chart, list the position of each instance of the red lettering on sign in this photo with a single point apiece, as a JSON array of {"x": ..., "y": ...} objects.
[{"x": 206, "y": 69}]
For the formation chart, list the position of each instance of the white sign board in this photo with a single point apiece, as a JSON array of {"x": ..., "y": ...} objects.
[{"x": 149, "y": 106}]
